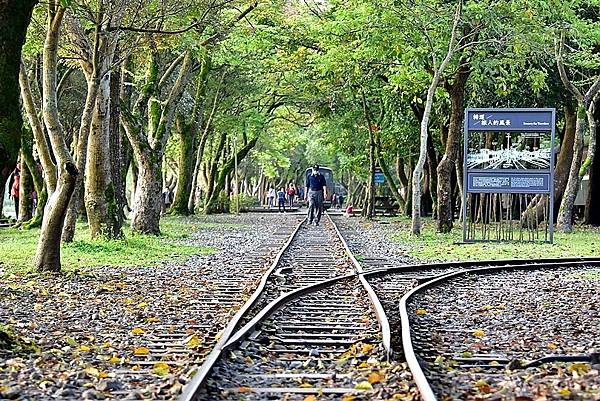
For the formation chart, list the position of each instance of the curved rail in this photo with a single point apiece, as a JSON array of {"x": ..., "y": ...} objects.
[
  {"x": 190, "y": 390},
  {"x": 382, "y": 318},
  {"x": 419, "y": 377}
]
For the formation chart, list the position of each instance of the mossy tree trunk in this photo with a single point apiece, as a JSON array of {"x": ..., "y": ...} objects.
[
  {"x": 227, "y": 168},
  {"x": 14, "y": 20},
  {"x": 48, "y": 250},
  {"x": 149, "y": 146},
  {"x": 187, "y": 130}
]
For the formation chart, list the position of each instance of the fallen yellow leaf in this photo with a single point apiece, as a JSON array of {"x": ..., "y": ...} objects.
[
  {"x": 310, "y": 398},
  {"x": 348, "y": 398},
  {"x": 193, "y": 342},
  {"x": 579, "y": 368},
  {"x": 479, "y": 333},
  {"x": 114, "y": 359},
  {"x": 366, "y": 348},
  {"x": 37, "y": 307},
  {"x": 142, "y": 305},
  {"x": 552, "y": 346},
  {"x": 365, "y": 385},
  {"x": 161, "y": 369},
  {"x": 244, "y": 389},
  {"x": 152, "y": 320},
  {"x": 84, "y": 348},
  {"x": 374, "y": 378},
  {"x": 481, "y": 383},
  {"x": 137, "y": 330},
  {"x": 565, "y": 392},
  {"x": 141, "y": 351},
  {"x": 92, "y": 371},
  {"x": 421, "y": 312}
]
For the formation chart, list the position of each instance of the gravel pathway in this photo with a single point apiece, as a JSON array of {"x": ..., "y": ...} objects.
[{"x": 93, "y": 327}]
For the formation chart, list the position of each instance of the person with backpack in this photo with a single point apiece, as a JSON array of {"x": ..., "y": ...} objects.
[
  {"x": 281, "y": 199},
  {"x": 316, "y": 192}
]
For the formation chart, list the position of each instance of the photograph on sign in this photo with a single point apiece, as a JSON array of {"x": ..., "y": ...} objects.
[{"x": 509, "y": 150}]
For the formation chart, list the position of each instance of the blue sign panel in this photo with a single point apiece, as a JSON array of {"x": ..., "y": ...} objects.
[
  {"x": 508, "y": 182},
  {"x": 378, "y": 178},
  {"x": 510, "y": 120}
]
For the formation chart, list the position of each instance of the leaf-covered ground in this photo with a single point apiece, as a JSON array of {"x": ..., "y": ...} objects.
[
  {"x": 518, "y": 317},
  {"x": 91, "y": 324}
]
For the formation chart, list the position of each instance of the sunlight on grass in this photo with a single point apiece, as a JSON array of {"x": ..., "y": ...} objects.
[
  {"x": 17, "y": 247},
  {"x": 431, "y": 245}
]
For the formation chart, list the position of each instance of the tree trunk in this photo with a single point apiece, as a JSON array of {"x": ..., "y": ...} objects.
[
  {"x": 147, "y": 203},
  {"x": 565, "y": 213},
  {"x": 188, "y": 131},
  {"x": 446, "y": 166},
  {"x": 42, "y": 144},
  {"x": 418, "y": 171},
  {"x": 224, "y": 172},
  {"x": 80, "y": 157},
  {"x": 14, "y": 20},
  {"x": 149, "y": 148},
  {"x": 36, "y": 175},
  {"x": 432, "y": 163},
  {"x": 185, "y": 168},
  {"x": 48, "y": 250},
  {"x": 100, "y": 194}
]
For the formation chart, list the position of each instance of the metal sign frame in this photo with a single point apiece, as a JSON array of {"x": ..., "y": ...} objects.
[{"x": 509, "y": 181}]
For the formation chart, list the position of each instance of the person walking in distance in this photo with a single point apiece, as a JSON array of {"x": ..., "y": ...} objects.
[
  {"x": 14, "y": 186},
  {"x": 291, "y": 193},
  {"x": 281, "y": 199},
  {"x": 316, "y": 191}
]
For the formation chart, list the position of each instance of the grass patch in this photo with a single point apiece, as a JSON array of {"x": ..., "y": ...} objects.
[
  {"x": 431, "y": 245},
  {"x": 17, "y": 247}
]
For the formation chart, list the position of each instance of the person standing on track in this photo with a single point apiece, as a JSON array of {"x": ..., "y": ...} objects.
[{"x": 316, "y": 191}]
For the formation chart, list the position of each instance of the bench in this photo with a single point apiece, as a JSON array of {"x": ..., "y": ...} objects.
[{"x": 386, "y": 205}]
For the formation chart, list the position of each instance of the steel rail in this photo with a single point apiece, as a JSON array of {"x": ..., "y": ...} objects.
[
  {"x": 384, "y": 323},
  {"x": 419, "y": 377},
  {"x": 191, "y": 388},
  {"x": 467, "y": 265},
  {"x": 283, "y": 299}
]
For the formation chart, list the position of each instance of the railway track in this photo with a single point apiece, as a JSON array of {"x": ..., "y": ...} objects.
[
  {"x": 509, "y": 332},
  {"x": 318, "y": 326},
  {"x": 314, "y": 315},
  {"x": 185, "y": 341}
]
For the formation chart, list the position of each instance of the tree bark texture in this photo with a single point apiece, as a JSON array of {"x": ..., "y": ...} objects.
[
  {"x": 565, "y": 213},
  {"x": 445, "y": 168},
  {"x": 14, "y": 20},
  {"x": 48, "y": 250},
  {"x": 224, "y": 172},
  {"x": 187, "y": 129},
  {"x": 100, "y": 193},
  {"x": 149, "y": 146}
]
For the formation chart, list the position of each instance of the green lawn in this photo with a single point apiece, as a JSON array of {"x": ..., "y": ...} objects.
[
  {"x": 584, "y": 241},
  {"x": 17, "y": 247}
]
